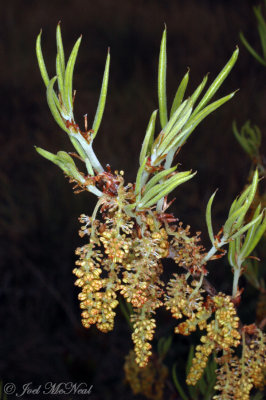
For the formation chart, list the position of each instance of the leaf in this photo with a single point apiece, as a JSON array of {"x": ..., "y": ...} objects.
[
  {"x": 41, "y": 62},
  {"x": 167, "y": 142},
  {"x": 46, "y": 154},
  {"x": 194, "y": 120},
  {"x": 51, "y": 103},
  {"x": 63, "y": 160},
  {"x": 177, "y": 384},
  {"x": 256, "y": 238},
  {"x": 189, "y": 359},
  {"x": 138, "y": 179},
  {"x": 232, "y": 253},
  {"x": 102, "y": 98},
  {"x": 250, "y": 233},
  {"x": 162, "y": 82},
  {"x": 240, "y": 212},
  {"x": 180, "y": 93},
  {"x": 60, "y": 49},
  {"x": 240, "y": 139},
  {"x": 199, "y": 89},
  {"x": 245, "y": 228},
  {"x": 169, "y": 187},
  {"x": 209, "y": 218},
  {"x": 68, "y": 92},
  {"x": 156, "y": 178},
  {"x": 251, "y": 50},
  {"x": 60, "y": 75},
  {"x": 179, "y": 112},
  {"x": 148, "y": 137},
  {"x": 217, "y": 82},
  {"x": 154, "y": 190}
]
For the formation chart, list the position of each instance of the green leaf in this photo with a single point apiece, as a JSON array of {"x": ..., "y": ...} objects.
[
  {"x": 177, "y": 384},
  {"x": 194, "y": 120},
  {"x": 180, "y": 93},
  {"x": 46, "y": 154},
  {"x": 209, "y": 217},
  {"x": 154, "y": 190},
  {"x": 138, "y": 179},
  {"x": 162, "y": 82},
  {"x": 199, "y": 89},
  {"x": 256, "y": 238},
  {"x": 262, "y": 33},
  {"x": 156, "y": 178},
  {"x": 52, "y": 105},
  {"x": 251, "y": 50},
  {"x": 60, "y": 49},
  {"x": 250, "y": 233},
  {"x": 232, "y": 254},
  {"x": 41, "y": 62},
  {"x": 217, "y": 82},
  {"x": 168, "y": 187},
  {"x": 168, "y": 141},
  {"x": 179, "y": 112},
  {"x": 245, "y": 228},
  {"x": 68, "y": 83},
  {"x": 102, "y": 98},
  {"x": 240, "y": 139},
  {"x": 148, "y": 139},
  {"x": 189, "y": 359},
  {"x": 60, "y": 76}
]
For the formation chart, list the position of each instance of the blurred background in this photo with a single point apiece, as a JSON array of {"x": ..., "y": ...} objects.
[{"x": 41, "y": 335}]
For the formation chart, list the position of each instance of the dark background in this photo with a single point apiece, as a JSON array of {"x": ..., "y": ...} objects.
[{"x": 41, "y": 335}]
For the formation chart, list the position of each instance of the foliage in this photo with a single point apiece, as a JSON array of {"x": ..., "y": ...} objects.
[
  {"x": 261, "y": 25},
  {"x": 129, "y": 233}
]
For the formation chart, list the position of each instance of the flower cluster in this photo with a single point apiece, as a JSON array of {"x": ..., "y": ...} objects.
[
  {"x": 222, "y": 334},
  {"x": 183, "y": 299},
  {"x": 188, "y": 253},
  {"x": 149, "y": 380},
  {"x": 123, "y": 256},
  {"x": 236, "y": 377}
]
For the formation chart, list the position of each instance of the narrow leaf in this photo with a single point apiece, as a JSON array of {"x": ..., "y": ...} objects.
[
  {"x": 180, "y": 93},
  {"x": 199, "y": 89},
  {"x": 177, "y": 114},
  {"x": 162, "y": 82},
  {"x": 68, "y": 92},
  {"x": 194, "y": 120},
  {"x": 46, "y": 154},
  {"x": 168, "y": 188},
  {"x": 228, "y": 226},
  {"x": 41, "y": 62},
  {"x": 52, "y": 105},
  {"x": 60, "y": 49},
  {"x": 240, "y": 139},
  {"x": 217, "y": 82},
  {"x": 154, "y": 190},
  {"x": 177, "y": 384},
  {"x": 139, "y": 175},
  {"x": 250, "y": 233},
  {"x": 245, "y": 228},
  {"x": 259, "y": 232},
  {"x": 60, "y": 75},
  {"x": 175, "y": 130},
  {"x": 156, "y": 178},
  {"x": 231, "y": 253},
  {"x": 102, "y": 98},
  {"x": 251, "y": 50},
  {"x": 209, "y": 217},
  {"x": 148, "y": 139}
]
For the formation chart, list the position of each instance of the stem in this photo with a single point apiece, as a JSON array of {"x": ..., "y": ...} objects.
[
  {"x": 237, "y": 272},
  {"x": 213, "y": 250}
]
